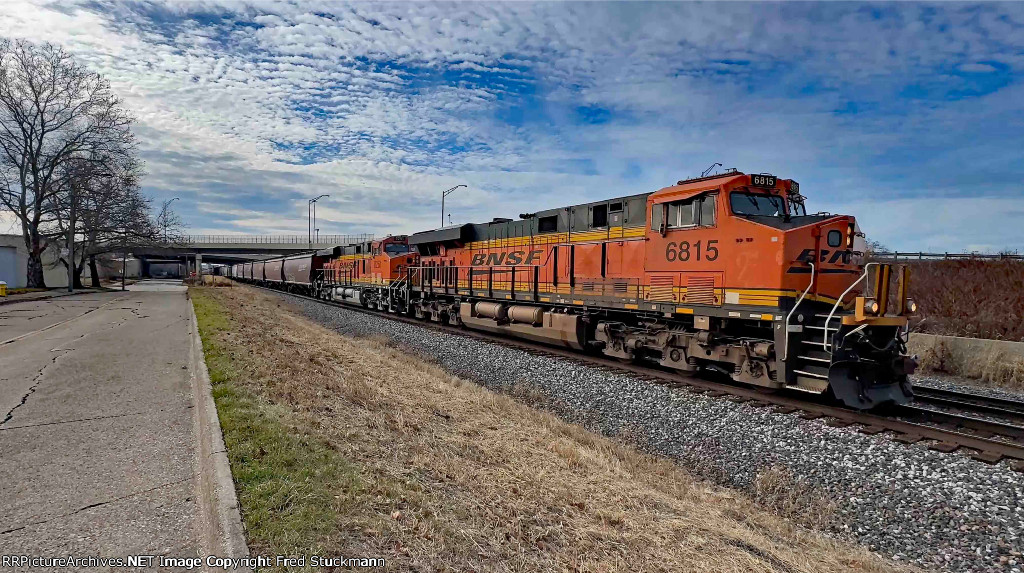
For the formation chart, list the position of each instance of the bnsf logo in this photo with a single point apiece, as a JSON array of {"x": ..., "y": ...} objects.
[
  {"x": 807, "y": 256},
  {"x": 509, "y": 258}
]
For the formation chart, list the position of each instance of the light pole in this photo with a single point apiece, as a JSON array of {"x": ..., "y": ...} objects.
[
  {"x": 311, "y": 213},
  {"x": 446, "y": 193},
  {"x": 164, "y": 213}
]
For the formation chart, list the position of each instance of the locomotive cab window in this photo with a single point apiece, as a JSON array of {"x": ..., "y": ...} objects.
[
  {"x": 396, "y": 249},
  {"x": 765, "y": 204},
  {"x": 796, "y": 207},
  {"x": 694, "y": 212}
]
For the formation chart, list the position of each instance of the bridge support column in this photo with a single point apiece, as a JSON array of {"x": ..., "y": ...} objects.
[{"x": 199, "y": 265}]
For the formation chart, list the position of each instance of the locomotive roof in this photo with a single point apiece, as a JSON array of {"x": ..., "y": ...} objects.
[
  {"x": 689, "y": 187},
  {"x": 623, "y": 211}
]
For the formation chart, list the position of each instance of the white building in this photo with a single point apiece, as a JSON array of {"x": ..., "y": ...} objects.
[{"x": 14, "y": 264}]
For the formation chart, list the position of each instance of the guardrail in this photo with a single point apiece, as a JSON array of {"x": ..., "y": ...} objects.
[
  {"x": 332, "y": 240},
  {"x": 922, "y": 256}
]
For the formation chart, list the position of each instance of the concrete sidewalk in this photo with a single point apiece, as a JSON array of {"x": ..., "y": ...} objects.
[
  {"x": 44, "y": 294},
  {"x": 96, "y": 426}
]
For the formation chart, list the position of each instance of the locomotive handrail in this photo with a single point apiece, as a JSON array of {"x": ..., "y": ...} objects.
[
  {"x": 824, "y": 342},
  {"x": 785, "y": 351}
]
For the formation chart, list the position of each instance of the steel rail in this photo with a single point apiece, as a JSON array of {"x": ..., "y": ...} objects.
[
  {"x": 970, "y": 401},
  {"x": 981, "y": 448},
  {"x": 979, "y": 426}
]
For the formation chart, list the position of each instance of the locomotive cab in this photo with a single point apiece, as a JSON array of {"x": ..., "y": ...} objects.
[{"x": 747, "y": 261}]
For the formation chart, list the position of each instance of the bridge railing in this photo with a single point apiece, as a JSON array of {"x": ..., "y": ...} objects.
[
  {"x": 320, "y": 240},
  {"x": 922, "y": 256}
]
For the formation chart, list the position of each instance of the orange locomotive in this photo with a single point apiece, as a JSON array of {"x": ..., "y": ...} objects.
[
  {"x": 727, "y": 272},
  {"x": 370, "y": 274}
]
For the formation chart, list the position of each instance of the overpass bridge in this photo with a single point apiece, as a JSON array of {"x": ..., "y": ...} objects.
[{"x": 192, "y": 251}]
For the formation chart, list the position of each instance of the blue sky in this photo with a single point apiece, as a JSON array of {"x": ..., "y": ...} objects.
[{"x": 908, "y": 116}]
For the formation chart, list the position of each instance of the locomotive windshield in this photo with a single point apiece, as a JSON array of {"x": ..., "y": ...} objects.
[
  {"x": 766, "y": 204},
  {"x": 796, "y": 206},
  {"x": 746, "y": 203},
  {"x": 396, "y": 249}
]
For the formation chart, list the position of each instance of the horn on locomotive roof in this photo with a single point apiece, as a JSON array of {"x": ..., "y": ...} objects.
[{"x": 729, "y": 171}]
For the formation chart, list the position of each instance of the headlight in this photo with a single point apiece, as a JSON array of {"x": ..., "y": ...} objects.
[
  {"x": 871, "y": 306},
  {"x": 911, "y": 307}
]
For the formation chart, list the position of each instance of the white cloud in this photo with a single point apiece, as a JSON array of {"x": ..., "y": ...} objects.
[{"x": 394, "y": 102}]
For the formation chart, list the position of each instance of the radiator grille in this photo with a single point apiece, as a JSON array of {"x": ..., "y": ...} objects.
[
  {"x": 700, "y": 290},
  {"x": 662, "y": 289}
]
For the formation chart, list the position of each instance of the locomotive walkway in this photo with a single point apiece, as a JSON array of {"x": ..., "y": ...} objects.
[{"x": 98, "y": 444}]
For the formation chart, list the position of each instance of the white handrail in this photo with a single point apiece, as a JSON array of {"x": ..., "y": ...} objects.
[
  {"x": 824, "y": 342},
  {"x": 785, "y": 351}
]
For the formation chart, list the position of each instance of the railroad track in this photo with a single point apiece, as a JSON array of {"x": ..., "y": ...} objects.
[
  {"x": 985, "y": 440},
  {"x": 966, "y": 401}
]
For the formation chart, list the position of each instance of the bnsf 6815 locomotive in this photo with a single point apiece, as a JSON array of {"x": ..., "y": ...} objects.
[{"x": 727, "y": 273}]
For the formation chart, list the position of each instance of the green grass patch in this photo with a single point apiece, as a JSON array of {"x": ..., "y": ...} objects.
[{"x": 291, "y": 487}]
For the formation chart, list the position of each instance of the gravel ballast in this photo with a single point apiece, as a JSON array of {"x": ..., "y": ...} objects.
[{"x": 940, "y": 511}]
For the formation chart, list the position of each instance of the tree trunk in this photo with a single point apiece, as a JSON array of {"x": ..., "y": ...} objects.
[
  {"x": 35, "y": 271},
  {"x": 78, "y": 278},
  {"x": 94, "y": 271}
]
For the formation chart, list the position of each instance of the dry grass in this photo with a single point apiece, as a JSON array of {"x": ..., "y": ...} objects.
[
  {"x": 778, "y": 490},
  {"x": 210, "y": 280},
  {"x": 451, "y": 477},
  {"x": 972, "y": 298},
  {"x": 993, "y": 363}
]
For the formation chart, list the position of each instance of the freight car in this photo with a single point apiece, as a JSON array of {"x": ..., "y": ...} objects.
[{"x": 727, "y": 273}]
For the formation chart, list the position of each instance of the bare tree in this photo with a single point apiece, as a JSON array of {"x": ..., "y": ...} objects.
[
  {"x": 110, "y": 210},
  {"x": 170, "y": 224},
  {"x": 53, "y": 113}
]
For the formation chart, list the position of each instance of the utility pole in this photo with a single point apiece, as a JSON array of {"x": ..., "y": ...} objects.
[
  {"x": 124, "y": 257},
  {"x": 71, "y": 242},
  {"x": 446, "y": 193},
  {"x": 311, "y": 213}
]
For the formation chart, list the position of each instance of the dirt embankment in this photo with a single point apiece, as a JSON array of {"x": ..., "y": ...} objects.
[{"x": 392, "y": 457}]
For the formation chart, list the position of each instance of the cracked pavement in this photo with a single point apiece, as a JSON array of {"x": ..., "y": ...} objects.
[{"x": 97, "y": 453}]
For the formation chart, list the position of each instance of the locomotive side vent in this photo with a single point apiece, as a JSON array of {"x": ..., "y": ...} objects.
[
  {"x": 662, "y": 288},
  {"x": 700, "y": 290}
]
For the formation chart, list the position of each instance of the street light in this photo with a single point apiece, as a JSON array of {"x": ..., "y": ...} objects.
[
  {"x": 164, "y": 213},
  {"x": 446, "y": 193},
  {"x": 311, "y": 214}
]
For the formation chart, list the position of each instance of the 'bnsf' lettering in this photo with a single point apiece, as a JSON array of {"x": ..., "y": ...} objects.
[
  {"x": 510, "y": 258},
  {"x": 832, "y": 257}
]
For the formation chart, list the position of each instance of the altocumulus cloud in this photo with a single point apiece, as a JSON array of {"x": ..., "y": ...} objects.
[{"x": 907, "y": 115}]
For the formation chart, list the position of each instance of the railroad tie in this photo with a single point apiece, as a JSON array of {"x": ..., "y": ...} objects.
[
  {"x": 987, "y": 457},
  {"x": 908, "y": 438}
]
